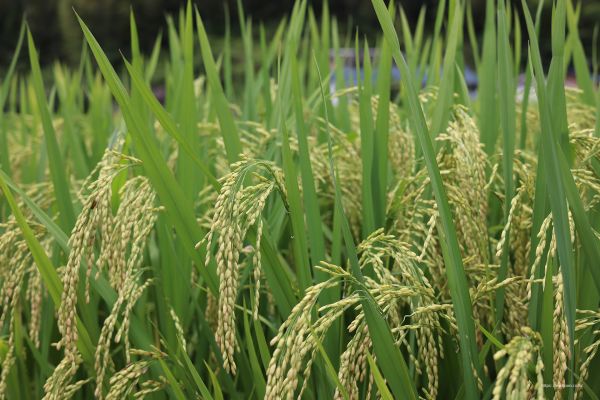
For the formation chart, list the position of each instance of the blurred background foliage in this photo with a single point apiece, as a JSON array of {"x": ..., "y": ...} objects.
[{"x": 59, "y": 37}]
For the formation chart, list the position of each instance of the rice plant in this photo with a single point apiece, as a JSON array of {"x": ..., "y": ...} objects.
[{"x": 311, "y": 228}]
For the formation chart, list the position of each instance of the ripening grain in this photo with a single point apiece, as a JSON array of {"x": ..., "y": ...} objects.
[{"x": 302, "y": 233}]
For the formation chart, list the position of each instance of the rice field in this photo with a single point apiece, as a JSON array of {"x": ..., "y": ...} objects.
[{"x": 295, "y": 232}]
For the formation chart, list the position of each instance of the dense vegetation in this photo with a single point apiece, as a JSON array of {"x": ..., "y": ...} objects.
[{"x": 305, "y": 235}]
